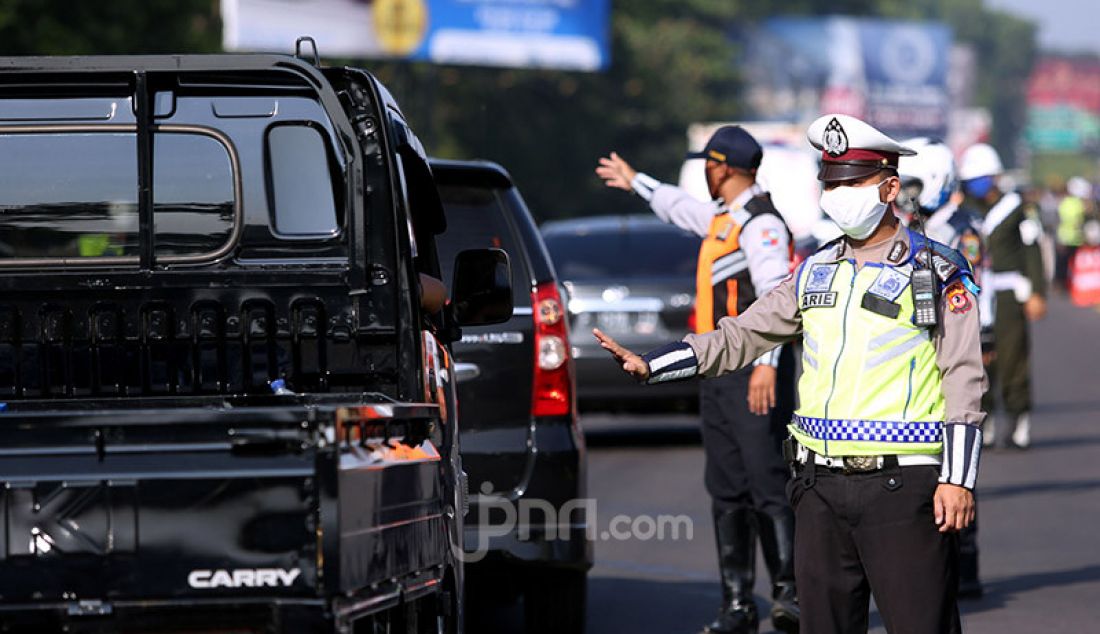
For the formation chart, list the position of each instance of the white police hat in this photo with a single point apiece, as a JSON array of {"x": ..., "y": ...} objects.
[{"x": 852, "y": 149}]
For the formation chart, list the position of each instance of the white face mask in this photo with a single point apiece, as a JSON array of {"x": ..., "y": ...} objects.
[{"x": 856, "y": 210}]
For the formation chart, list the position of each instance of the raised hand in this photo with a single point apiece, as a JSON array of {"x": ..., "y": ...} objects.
[
  {"x": 632, "y": 364},
  {"x": 616, "y": 172}
]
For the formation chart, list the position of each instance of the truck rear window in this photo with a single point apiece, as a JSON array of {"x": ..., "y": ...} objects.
[
  {"x": 74, "y": 195},
  {"x": 299, "y": 182}
]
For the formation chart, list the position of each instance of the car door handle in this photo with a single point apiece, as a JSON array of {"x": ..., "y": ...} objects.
[{"x": 466, "y": 371}]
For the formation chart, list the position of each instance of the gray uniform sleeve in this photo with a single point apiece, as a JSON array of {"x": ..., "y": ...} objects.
[
  {"x": 676, "y": 206},
  {"x": 770, "y": 321},
  {"x": 959, "y": 356},
  {"x": 766, "y": 245}
]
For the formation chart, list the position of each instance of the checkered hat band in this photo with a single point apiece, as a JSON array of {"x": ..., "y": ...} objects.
[{"x": 870, "y": 430}]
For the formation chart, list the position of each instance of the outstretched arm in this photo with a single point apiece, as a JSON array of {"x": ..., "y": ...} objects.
[
  {"x": 670, "y": 203},
  {"x": 771, "y": 321}
]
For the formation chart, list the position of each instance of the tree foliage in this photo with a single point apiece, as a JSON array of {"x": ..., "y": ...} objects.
[
  {"x": 672, "y": 64},
  {"x": 64, "y": 27}
]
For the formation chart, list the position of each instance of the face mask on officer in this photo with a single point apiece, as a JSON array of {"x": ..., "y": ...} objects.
[
  {"x": 979, "y": 187},
  {"x": 856, "y": 209}
]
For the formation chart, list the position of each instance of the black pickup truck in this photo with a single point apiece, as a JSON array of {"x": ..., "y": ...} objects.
[{"x": 224, "y": 404}]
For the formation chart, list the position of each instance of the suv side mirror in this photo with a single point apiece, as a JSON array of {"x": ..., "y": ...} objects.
[{"x": 482, "y": 286}]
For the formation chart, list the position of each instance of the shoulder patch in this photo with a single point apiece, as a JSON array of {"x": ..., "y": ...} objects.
[
  {"x": 769, "y": 238},
  {"x": 970, "y": 245},
  {"x": 958, "y": 300}
]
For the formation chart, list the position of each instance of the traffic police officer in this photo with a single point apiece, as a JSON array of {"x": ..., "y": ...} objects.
[
  {"x": 745, "y": 252},
  {"x": 1011, "y": 230},
  {"x": 888, "y": 429},
  {"x": 930, "y": 199},
  {"x": 1072, "y": 213}
]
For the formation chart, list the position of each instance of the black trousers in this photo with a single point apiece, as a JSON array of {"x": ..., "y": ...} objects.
[
  {"x": 1010, "y": 372},
  {"x": 873, "y": 533},
  {"x": 744, "y": 451}
]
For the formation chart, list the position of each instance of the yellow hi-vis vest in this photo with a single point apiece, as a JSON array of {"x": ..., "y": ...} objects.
[{"x": 870, "y": 384}]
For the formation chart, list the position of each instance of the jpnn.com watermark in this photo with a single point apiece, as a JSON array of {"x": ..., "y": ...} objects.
[{"x": 498, "y": 516}]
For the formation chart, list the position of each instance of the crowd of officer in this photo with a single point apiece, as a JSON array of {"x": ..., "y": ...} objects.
[{"x": 902, "y": 324}]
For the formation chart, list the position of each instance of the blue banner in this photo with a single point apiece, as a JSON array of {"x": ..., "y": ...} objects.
[
  {"x": 892, "y": 73},
  {"x": 566, "y": 34},
  {"x": 562, "y": 34}
]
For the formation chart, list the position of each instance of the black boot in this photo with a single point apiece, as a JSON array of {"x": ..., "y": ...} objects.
[
  {"x": 777, "y": 541},
  {"x": 735, "y": 532}
]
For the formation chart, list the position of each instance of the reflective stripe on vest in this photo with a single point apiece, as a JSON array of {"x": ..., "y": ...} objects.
[
  {"x": 722, "y": 264},
  {"x": 870, "y": 384}
]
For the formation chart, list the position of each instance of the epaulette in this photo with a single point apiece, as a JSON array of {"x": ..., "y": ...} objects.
[
  {"x": 830, "y": 244},
  {"x": 948, "y": 264}
]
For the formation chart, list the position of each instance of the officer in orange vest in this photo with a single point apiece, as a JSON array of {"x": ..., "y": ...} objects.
[{"x": 746, "y": 251}]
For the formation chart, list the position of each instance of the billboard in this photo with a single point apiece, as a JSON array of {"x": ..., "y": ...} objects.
[
  {"x": 562, "y": 34},
  {"x": 1063, "y": 99},
  {"x": 891, "y": 73}
]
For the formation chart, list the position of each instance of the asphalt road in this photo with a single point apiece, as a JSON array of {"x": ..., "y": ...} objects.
[{"x": 1039, "y": 510}]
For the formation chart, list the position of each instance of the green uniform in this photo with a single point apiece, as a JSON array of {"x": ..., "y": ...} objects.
[{"x": 1011, "y": 230}]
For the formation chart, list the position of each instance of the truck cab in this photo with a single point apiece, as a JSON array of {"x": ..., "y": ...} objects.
[{"x": 223, "y": 403}]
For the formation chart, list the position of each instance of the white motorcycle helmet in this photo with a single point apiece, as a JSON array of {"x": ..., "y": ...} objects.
[{"x": 927, "y": 179}]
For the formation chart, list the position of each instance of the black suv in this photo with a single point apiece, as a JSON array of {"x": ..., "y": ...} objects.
[
  {"x": 521, "y": 445},
  {"x": 227, "y": 403}
]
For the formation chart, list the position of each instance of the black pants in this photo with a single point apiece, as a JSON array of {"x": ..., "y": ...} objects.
[
  {"x": 744, "y": 452},
  {"x": 1062, "y": 259},
  {"x": 1010, "y": 372},
  {"x": 874, "y": 533}
]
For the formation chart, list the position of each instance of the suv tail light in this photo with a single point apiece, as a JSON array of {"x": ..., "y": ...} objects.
[{"x": 553, "y": 385}]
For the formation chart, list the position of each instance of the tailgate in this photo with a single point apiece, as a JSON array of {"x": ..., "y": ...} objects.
[
  {"x": 141, "y": 503},
  {"x": 208, "y": 499}
]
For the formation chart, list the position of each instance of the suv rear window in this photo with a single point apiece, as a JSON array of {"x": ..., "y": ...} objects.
[
  {"x": 627, "y": 254},
  {"x": 74, "y": 195},
  {"x": 476, "y": 220}
]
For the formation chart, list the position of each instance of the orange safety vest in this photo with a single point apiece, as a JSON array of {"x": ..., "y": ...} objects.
[{"x": 723, "y": 283}]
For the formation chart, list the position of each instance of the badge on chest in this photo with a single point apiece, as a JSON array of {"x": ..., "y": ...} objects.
[
  {"x": 881, "y": 298},
  {"x": 819, "y": 283}
]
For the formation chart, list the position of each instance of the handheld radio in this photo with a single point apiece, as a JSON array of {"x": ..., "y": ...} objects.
[{"x": 922, "y": 281}]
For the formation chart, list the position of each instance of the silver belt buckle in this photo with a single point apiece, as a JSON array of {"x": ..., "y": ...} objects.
[{"x": 860, "y": 464}]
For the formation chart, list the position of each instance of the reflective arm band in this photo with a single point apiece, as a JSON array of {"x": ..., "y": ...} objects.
[
  {"x": 962, "y": 447},
  {"x": 644, "y": 185},
  {"x": 671, "y": 362},
  {"x": 770, "y": 357}
]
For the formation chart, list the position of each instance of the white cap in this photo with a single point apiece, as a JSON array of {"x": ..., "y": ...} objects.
[
  {"x": 934, "y": 166},
  {"x": 851, "y": 148},
  {"x": 980, "y": 160},
  {"x": 1079, "y": 187}
]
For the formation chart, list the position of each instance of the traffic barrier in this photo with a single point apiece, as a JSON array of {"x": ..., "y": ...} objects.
[{"x": 1084, "y": 275}]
